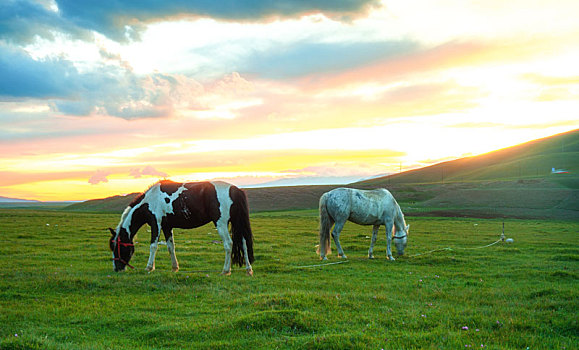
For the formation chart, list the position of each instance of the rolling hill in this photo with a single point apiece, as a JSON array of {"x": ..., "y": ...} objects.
[
  {"x": 528, "y": 160},
  {"x": 15, "y": 200},
  {"x": 511, "y": 182}
]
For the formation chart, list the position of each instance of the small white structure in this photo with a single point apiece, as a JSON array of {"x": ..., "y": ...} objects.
[{"x": 559, "y": 171}]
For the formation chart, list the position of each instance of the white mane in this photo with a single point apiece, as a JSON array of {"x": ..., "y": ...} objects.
[{"x": 123, "y": 217}]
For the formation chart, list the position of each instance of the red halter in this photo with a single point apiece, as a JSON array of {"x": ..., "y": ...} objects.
[{"x": 119, "y": 244}]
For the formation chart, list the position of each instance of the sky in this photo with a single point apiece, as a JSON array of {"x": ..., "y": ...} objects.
[{"x": 100, "y": 98}]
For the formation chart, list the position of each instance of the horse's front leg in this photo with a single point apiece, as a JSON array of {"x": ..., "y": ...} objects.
[
  {"x": 227, "y": 245},
  {"x": 373, "y": 241},
  {"x": 389, "y": 227},
  {"x": 171, "y": 247},
  {"x": 336, "y": 235},
  {"x": 154, "y": 246}
]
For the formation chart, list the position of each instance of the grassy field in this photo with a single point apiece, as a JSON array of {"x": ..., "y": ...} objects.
[{"x": 58, "y": 290}]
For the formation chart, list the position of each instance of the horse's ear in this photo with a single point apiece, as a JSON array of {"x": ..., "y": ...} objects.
[{"x": 112, "y": 232}]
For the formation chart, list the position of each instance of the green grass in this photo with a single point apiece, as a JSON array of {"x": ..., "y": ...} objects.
[{"x": 58, "y": 290}]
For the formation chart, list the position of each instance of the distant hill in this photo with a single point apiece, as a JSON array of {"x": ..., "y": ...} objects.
[
  {"x": 15, "y": 200},
  {"x": 115, "y": 204},
  {"x": 528, "y": 160},
  {"x": 511, "y": 182}
]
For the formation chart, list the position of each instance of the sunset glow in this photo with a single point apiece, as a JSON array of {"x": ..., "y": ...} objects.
[{"x": 95, "y": 103}]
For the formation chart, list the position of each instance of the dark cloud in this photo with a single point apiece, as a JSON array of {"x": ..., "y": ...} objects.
[
  {"x": 24, "y": 77},
  {"x": 123, "y": 20},
  {"x": 112, "y": 88},
  {"x": 109, "y": 90},
  {"x": 22, "y": 20}
]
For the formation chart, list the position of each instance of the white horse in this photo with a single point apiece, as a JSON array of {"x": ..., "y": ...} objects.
[{"x": 373, "y": 207}]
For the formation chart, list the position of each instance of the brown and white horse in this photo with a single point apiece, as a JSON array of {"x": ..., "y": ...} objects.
[{"x": 167, "y": 205}]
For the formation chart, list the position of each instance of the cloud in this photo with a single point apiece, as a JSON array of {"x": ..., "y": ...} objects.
[
  {"x": 124, "y": 20},
  {"x": 554, "y": 88},
  {"x": 20, "y": 177},
  {"x": 300, "y": 59},
  {"x": 111, "y": 88},
  {"x": 129, "y": 96},
  {"x": 341, "y": 169},
  {"x": 22, "y": 21},
  {"x": 24, "y": 77},
  {"x": 147, "y": 171},
  {"x": 540, "y": 79},
  {"x": 98, "y": 177}
]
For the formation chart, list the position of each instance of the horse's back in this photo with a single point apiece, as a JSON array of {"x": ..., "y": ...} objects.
[
  {"x": 337, "y": 203},
  {"x": 364, "y": 207},
  {"x": 184, "y": 205}
]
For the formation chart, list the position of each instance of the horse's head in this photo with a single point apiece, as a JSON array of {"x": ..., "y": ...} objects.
[
  {"x": 122, "y": 249},
  {"x": 401, "y": 238}
]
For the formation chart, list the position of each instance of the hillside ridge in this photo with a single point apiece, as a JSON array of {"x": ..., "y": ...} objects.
[{"x": 510, "y": 182}]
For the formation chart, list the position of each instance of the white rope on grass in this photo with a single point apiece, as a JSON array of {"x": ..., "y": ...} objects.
[
  {"x": 450, "y": 249},
  {"x": 430, "y": 252},
  {"x": 319, "y": 265},
  {"x": 484, "y": 246}
]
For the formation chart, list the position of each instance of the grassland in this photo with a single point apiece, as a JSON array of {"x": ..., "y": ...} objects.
[{"x": 58, "y": 290}]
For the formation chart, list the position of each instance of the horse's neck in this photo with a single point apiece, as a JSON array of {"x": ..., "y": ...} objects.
[{"x": 133, "y": 220}]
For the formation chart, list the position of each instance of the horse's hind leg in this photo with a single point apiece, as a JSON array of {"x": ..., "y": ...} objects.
[
  {"x": 373, "y": 241},
  {"x": 247, "y": 264},
  {"x": 336, "y": 235},
  {"x": 171, "y": 247}
]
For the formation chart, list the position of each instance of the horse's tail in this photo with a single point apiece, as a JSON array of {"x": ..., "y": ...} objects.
[
  {"x": 325, "y": 247},
  {"x": 240, "y": 227}
]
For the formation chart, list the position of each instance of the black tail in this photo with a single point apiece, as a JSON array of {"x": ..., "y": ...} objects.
[{"x": 240, "y": 227}]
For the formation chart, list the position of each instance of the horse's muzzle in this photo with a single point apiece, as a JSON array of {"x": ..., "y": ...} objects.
[{"x": 120, "y": 269}]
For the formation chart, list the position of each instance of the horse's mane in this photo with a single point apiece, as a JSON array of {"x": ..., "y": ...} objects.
[
  {"x": 399, "y": 218},
  {"x": 141, "y": 195},
  {"x": 137, "y": 199},
  {"x": 131, "y": 205}
]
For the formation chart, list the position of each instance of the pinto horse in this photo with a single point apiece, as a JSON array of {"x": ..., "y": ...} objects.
[
  {"x": 374, "y": 207},
  {"x": 167, "y": 205}
]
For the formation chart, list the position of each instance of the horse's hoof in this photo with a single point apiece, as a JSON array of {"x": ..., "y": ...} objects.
[
  {"x": 250, "y": 272},
  {"x": 370, "y": 256},
  {"x": 325, "y": 258},
  {"x": 150, "y": 268},
  {"x": 175, "y": 268},
  {"x": 391, "y": 258},
  {"x": 226, "y": 273},
  {"x": 343, "y": 256}
]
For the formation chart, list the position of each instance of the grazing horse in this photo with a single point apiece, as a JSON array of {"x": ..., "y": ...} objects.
[
  {"x": 167, "y": 205},
  {"x": 374, "y": 207}
]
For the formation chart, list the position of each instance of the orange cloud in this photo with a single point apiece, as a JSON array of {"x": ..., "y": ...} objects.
[{"x": 540, "y": 79}]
